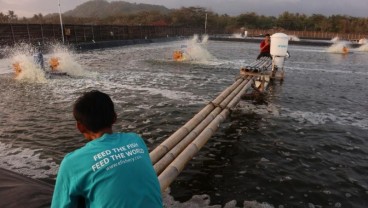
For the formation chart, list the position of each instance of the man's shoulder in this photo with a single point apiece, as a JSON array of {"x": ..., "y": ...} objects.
[
  {"x": 130, "y": 135},
  {"x": 75, "y": 154}
]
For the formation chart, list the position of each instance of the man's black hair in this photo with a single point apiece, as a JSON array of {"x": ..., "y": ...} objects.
[
  {"x": 95, "y": 110},
  {"x": 267, "y": 35}
]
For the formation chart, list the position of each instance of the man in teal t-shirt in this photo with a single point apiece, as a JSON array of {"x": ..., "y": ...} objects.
[{"x": 112, "y": 169}]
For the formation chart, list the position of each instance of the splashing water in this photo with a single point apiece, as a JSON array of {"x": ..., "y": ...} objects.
[
  {"x": 31, "y": 72},
  {"x": 240, "y": 35},
  {"x": 293, "y": 38},
  {"x": 237, "y": 35},
  {"x": 335, "y": 39},
  {"x": 196, "y": 52},
  {"x": 22, "y": 54},
  {"x": 339, "y": 47},
  {"x": 363, "y": 41},
  {"x": 363, "y": 48},
  {"x": 204, "y": 39},
  {"x": 67, "y": 62}
]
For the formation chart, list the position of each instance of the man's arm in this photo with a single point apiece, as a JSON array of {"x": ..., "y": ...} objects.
[
  {"x": 264, "y": 44},
  {"x": 63, "y": 193}
]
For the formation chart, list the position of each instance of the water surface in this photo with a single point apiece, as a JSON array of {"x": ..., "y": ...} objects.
[{"x": 308, "y": 146}]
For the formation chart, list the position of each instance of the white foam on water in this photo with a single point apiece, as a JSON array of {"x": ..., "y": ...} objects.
[
  {"x": 310, "y": 117},
  {"x": 63, "y": 90},
  {"x": 26, "y": 161},
  {"x": 356, "y": 119},
  {"x": 203, "y": 201},
  {"x": 174, "y": 95},
  {"x": 170, "y": 94},
  {"x": 247, "y": 108},
  {"x": 346, "y": 71}
]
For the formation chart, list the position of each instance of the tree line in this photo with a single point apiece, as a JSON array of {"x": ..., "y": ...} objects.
[{"x": 219, "y": 23}]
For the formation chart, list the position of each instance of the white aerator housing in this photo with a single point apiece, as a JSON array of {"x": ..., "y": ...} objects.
[
  {"x": 279, "y": 48},
  {"x": 279, "y": 44}
]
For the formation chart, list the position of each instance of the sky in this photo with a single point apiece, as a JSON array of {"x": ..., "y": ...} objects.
[{"x": 356, "y": 8}]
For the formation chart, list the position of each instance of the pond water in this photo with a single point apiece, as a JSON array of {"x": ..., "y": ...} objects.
[{"x": 307, "y": 146}]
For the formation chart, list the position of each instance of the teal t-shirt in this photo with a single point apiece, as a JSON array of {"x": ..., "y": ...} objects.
[{"x": 114, "y": 170}]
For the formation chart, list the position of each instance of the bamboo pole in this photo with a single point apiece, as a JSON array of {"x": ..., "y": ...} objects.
[
  {"x": 174, "y": 169},
  {"x": 175, "y": 151},
  {"x": 170, "y": 142}
]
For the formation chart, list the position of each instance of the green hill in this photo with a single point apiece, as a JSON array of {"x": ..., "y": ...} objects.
[{"x": 103, "y": 9}]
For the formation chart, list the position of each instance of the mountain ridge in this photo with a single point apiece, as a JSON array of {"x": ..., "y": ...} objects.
[{"x": 104, "y": 9}]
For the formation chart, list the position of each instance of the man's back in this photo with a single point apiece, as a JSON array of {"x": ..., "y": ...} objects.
[{"x": 112, "y": 171}]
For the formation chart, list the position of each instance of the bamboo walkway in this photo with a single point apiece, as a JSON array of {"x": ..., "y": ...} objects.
[{"x": 172, "y": 155}]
